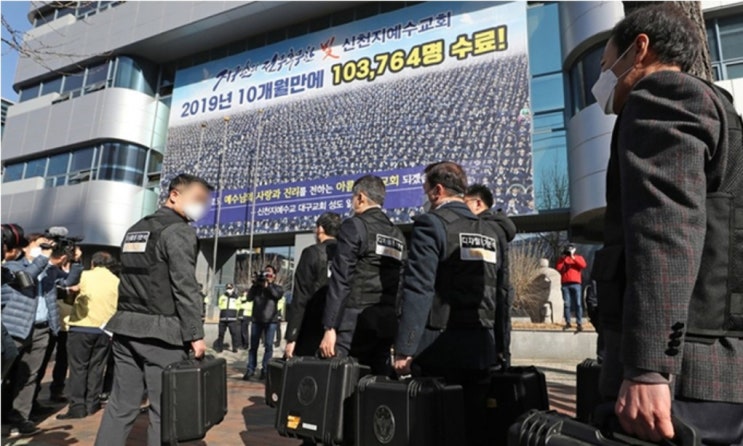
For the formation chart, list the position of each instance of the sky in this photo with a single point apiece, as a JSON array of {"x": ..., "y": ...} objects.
[{"x": 15, "y": 13}]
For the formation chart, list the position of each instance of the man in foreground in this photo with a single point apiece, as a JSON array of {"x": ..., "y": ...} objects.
[
  {"x": 670, "y": 276},
  {"x": 158, "y": 319}
]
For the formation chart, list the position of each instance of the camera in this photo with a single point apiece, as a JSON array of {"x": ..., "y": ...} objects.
[
  {"x": 13, "y": 238},
  {"x": 260, "y": 278},
  {"x": 64, "y": 244}
]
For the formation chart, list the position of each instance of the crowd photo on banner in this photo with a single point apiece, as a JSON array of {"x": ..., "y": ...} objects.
[{"x": 405, "y": 169}]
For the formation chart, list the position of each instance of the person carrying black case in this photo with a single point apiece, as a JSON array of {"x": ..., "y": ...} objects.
[{"x": 194, "y": 399}]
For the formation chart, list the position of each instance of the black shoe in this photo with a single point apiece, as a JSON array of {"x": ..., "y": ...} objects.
[
  {"x": 567, "y": 327},
  {"x": 248, "y": 376},
  {"x": 234, "y": 350},
  {"x": 40, "y": 411},
  {"x": 262, "y": 376},
  {"x": 72, "y": 415},
  {"x": 579, "y": 328},
  {"x": 26, "y": 428},
  {"x": 95, "y": 408},
  {"x": 58, "y": 398}
]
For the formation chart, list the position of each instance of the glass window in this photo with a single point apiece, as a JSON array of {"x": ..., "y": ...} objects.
[
  {"x": 122, "y": 162},
  {"x": 734, "y": 71},
  {"x": 46, "y": 17},
  {"x": 73, "y": 81},
  {"x": 134, "y": 75},
  {"x": 58, "y": 164},
  {"x": 583, "y": 74},
  {"x": 86, "y": 7},
  {"x": 97, "y": 74},
  {"x": 731, "y": 36},
  {"x": 13, "y": 172},
  {"x": 35, "y": 168},
  {"x": 63, "y": 11},
  {"x": 714, "y": 54},
  {"x": 547, "y": 93},
  {"x": 52, "y": 86},
  {"x": 82, "y": 159},
  {"x": 545, "y": 52},
  {"x": 29, "y": 93},
  {"x": 545, "y": 121},
  {"x": 156, "y": 162}
]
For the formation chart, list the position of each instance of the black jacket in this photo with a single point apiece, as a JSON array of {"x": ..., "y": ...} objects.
[
  {"x": 304, "y": 313},
  {"x": 265, "y": 300}
]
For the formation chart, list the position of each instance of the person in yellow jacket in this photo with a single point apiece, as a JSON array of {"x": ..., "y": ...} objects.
[
  {"x": 88, "y": 345},
  {"x": 228, "y": 304},
  {"x": 244, "y": 316}
]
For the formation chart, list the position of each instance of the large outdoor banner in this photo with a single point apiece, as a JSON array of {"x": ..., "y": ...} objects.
[{"x": 282, "y": 131}]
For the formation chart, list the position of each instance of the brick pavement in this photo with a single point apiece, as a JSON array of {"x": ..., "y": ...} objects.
[{"x": 249, "y": 421}]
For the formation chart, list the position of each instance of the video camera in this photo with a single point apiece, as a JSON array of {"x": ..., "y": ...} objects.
[
  {"x": 260, "y": 278},
  {"x": 64, "y": 244},
  {"x": 13, "y": 238}
]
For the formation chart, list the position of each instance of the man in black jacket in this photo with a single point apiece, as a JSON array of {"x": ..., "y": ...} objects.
[
  {"x": 265, "y": 295},
  {"x": 360, "y": 313},
  {"x": 158, "y": 318},
  {"x": 304, "y": 314},
  {"x": 480, "y": 201}
]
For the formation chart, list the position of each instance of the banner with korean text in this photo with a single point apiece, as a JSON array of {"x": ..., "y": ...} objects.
[{"x": 287, "y": 127}]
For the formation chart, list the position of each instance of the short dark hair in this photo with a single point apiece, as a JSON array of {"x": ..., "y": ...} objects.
[
  {"x": 272, "y": 268},
  {"x": 186, "y": 179},
  {"x": 673, "y": 36},
  {"x": 330, "y": 222},
  {"x": 32, "y": 237},
  {"x": 481, "y": 192},
  {"x": 448, "y": 174},
  {"x": 372, "y": 186},
  {"x": 101, "y": 258}
]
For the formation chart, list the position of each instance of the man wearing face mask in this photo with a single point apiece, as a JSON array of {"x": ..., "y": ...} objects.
[
  {"x": 229, "y": 305},
  {"x": 304, "y": 314},
  {"x": 360, "y": 312},
  {"x": 669, "y": 277},
  {"x": 158, "y": 318},
  {"x": 450, "y": 294}
]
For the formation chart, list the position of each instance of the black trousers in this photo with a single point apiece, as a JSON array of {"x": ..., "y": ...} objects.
[
  {"x": 234, "y": 327},
  {"x": 245, "y": 333},
  {"x": 58, "y": 347},
  {"x": 139, "y": 365},
  {"x": 88, "y": 354}
]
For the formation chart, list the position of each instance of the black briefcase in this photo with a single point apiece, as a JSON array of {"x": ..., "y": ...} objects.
[
  {"x": 274, "y": 381},
  {"x": 513, "y": 392},
  {"x": 317, "y": 399},
  {"x": 538, "y": 428},
  {"x": 194, "y": 398},
  {"x": 418, "y": 411},
  {"x": 587, "y": 393}
]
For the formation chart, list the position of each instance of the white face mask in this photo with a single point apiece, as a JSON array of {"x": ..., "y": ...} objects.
[
  {"x": 603, "y": 89},
  {"x": 35, "y": 252},
  {"x": 194, "y": 211}
]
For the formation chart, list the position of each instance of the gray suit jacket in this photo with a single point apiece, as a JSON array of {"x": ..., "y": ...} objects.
[{"x": 658, "y": 178}]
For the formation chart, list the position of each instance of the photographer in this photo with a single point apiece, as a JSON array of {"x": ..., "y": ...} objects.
[
  {"x": 265, "y": 295},
  {"x": 570, "y": 265},
  {"x": 13, "y": 242},
  {"x": 31, "y": 316}
]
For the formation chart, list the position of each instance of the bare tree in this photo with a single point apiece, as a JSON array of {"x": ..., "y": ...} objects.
[
  {"x": 702, "y": 67},
  {"x": 555, "y": 194}
]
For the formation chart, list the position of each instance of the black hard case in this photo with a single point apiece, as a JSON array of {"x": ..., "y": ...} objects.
[
  {"x": 588, "y": 397},
  {"x": 274, "y": 381},
  {"x": 194, "y": 398},
  {"x": 419, "y": 411},
  {"x": 317, "y": 399},
  {"x": 513, "y": 392},
  {"x": 540, "y": 428}
]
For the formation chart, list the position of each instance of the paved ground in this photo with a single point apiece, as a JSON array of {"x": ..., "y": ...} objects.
[{"x": 249, "y": 421}]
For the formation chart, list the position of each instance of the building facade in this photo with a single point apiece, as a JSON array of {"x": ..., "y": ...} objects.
[{"x": 87, "y": 138}]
